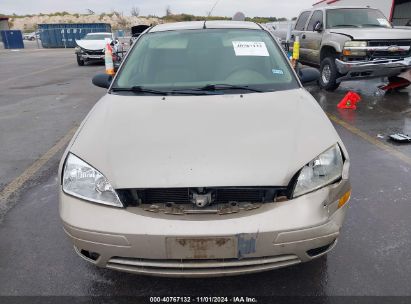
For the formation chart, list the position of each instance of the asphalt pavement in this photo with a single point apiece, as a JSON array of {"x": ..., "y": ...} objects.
[{"x": 44, "y": 95}]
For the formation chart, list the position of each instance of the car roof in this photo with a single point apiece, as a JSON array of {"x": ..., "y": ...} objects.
[
  {"x": 196, "y": 25},
  {"x": 337, "y": 7}
]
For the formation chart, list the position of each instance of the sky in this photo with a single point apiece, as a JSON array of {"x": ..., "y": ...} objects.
[{"x": 251, "y": 8}]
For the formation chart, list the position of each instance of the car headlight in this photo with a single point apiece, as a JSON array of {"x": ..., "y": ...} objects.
[
  {"x": 320, "y": 172},
  {"x": 355, "y": 48},
  {"x": 83, "y": 181}
]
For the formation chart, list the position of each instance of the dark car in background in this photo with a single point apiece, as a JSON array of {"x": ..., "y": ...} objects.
[{"x": 137, "y": 31}]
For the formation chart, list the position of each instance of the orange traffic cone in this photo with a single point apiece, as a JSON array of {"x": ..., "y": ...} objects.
[
  {"x": 349, "y": 101},
  {"x": 108, "y": 60}
]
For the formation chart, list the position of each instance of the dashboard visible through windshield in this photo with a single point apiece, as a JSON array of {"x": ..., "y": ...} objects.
[
  {"x": 356, "y": 18},
  {"x": 206, "y": 60}
]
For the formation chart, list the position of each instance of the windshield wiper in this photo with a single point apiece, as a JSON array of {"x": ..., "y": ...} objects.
[
  {"x": 376, "y": 25},
  {"x": 223, "y": 86},
  {"x": 344, "y": 25},
  {"x": 205, "y": 90},
  {"x": 139, "y": 89}
]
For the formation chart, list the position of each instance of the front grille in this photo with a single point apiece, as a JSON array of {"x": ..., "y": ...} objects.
[
  {"x": 94, "y": 52},
  {"x": 220, "y": 195},
  {"x": 240, "y": 195},
  {"x": 174, "y": 195},
  {"x": 386, "y": 54},
  {"x": 389, "y": 42},
  {"x": 200, "y": 268}
]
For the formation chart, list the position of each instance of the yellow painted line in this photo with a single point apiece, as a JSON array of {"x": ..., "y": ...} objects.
[
  {"x": 37, "y": 72},
  {"x": 17, "y": 183},
  {"x": 394, "y": 152}
]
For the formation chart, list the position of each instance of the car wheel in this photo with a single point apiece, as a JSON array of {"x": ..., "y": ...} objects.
[
  {"x": 80, "y": 61},
  {"x": 329, "y": 74}
]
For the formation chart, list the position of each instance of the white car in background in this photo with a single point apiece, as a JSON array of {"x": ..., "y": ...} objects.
[
  {"x": 91, "y": 47},
  {"x": 31, "y": 36}
]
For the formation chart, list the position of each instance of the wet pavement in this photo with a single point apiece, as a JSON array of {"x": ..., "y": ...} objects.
[{"x": 372, "y": 255}]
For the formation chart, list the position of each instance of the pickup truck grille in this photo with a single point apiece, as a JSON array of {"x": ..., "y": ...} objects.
[
  {"x": 388, "y": 54},
  {"x": 94, "y": 52},
  {"x": 133, "y": 197}
]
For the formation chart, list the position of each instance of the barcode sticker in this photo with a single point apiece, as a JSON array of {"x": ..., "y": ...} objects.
[{"x": 250, "y": 48}]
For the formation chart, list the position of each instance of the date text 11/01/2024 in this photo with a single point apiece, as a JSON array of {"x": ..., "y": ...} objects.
[{"x": 236, "y": 299}]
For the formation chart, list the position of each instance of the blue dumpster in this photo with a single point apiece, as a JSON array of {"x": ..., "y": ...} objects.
[
  {"x": 64, "y": 35},
  {"x": 12, "y": 39}
]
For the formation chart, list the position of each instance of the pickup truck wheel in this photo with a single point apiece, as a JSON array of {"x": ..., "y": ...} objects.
[
  {"x": 80, "y": 61},
  {"x": 329, "y": 74}
]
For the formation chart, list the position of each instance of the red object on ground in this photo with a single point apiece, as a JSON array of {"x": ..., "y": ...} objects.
[
  {"x": 349, "y": 101},
  {"x": 395, "y": 84}
]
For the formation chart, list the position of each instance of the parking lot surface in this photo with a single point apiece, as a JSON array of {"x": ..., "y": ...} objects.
[{"x": 44, "y": 96}]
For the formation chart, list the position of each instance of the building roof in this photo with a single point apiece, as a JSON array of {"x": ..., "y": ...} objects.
[
  {"x": 196, "y": 25},
  {"x": 333, "y": 7}
]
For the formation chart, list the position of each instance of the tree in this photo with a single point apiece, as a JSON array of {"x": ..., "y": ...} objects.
[
  {"x": 294, "y": 18},
  {"x": 90, "y": 12},
  {"x": 239, "y": 16},
  {"x": 168, "y": 11},
  {"x": 135, "y": 11}
]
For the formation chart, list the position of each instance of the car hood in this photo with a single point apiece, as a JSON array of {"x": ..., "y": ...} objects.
[
  {"x": 258, "y": 139},
  {"x": 373, "y": 33},
  {"x": 91, "y": 44}
]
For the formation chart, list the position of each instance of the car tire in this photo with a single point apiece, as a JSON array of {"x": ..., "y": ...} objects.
[
  {"x": 329, "y": 74},
  {"x": 80, "y": 61}
]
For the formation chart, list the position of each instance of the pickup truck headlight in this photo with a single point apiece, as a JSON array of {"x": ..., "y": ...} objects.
[
  {"x": 83, "y": 181},
  {"x": 320, "y": 172},
  {"x": 355, "y": 48}
]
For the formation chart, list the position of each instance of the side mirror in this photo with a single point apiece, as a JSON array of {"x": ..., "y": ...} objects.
[
  {"x": 318, "y": 27},
  {"x": 308, "y": 75},
  {"x": 102, "y": 80}
]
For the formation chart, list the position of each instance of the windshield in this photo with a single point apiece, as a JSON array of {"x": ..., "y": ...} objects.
[
  {"x": 96, "y": 36},
  {"x": 356, "y": 17},
  {"x": 207, "y": 58}
]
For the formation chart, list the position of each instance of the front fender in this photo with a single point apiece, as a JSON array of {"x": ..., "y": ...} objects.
[{"x": 335, "y": 41}]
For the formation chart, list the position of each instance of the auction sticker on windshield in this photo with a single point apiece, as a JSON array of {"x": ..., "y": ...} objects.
[{"x": 250, "y": 48}]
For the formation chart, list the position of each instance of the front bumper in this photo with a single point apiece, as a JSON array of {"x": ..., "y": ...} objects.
[
  {"x": 371, "y": 69},
  {"x": 92, "y": 57},
  {"x": 89, "y": 55},
  {"x": 273, "y": 236}
]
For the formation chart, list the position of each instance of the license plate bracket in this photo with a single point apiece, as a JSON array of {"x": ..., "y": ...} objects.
[{"x": 202, "y": 247}]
